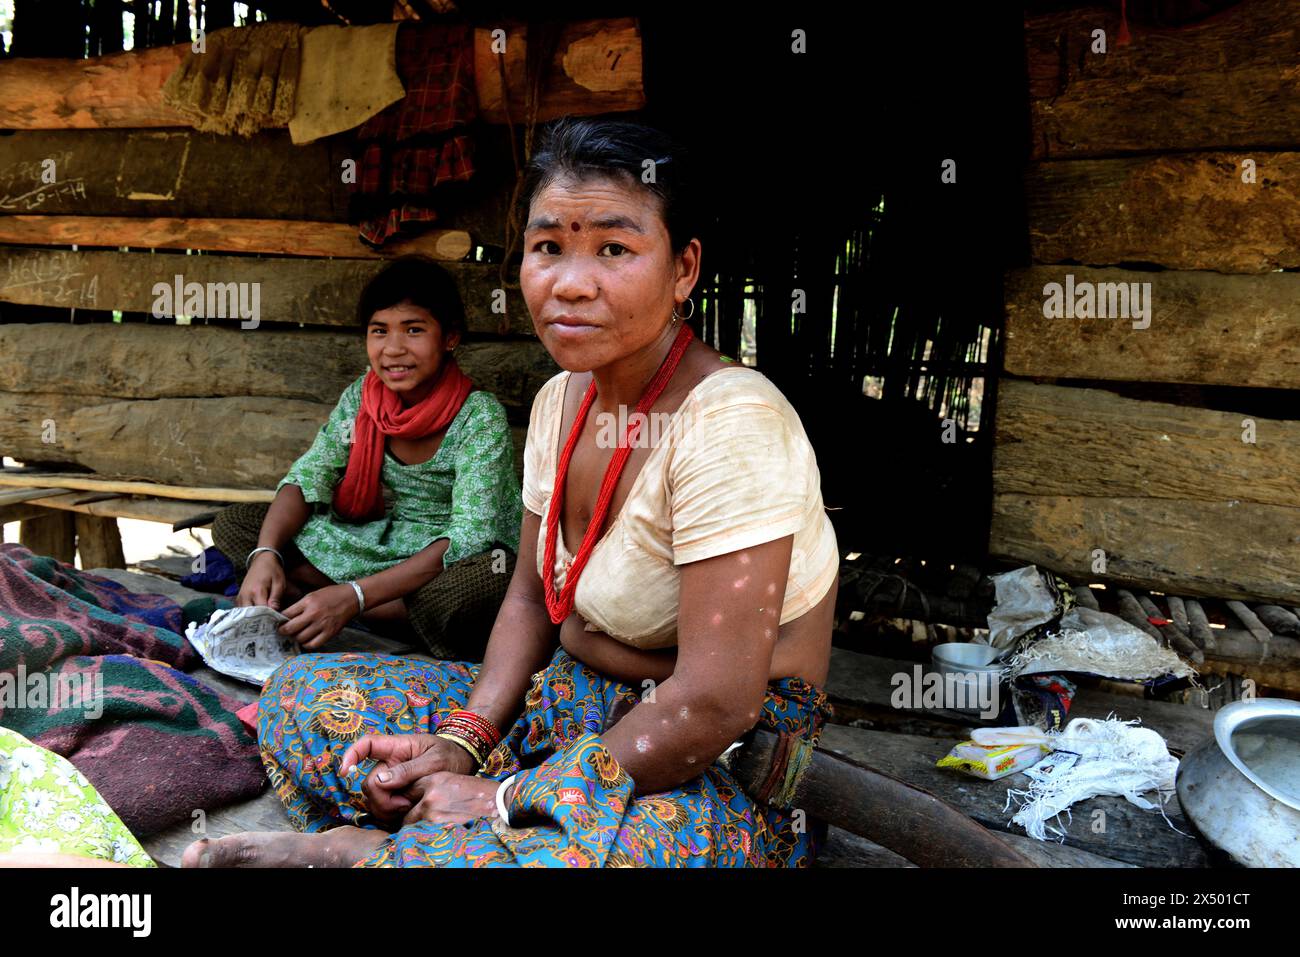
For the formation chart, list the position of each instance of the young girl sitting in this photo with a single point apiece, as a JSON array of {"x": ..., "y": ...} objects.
[{"x": 406, "y": 508}]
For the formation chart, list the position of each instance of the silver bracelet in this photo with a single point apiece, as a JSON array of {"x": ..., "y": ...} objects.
[
  {"x": 361, "y": 598},
  {"x": 502, "y": 811},
  {"x": 264, "y": 548}
]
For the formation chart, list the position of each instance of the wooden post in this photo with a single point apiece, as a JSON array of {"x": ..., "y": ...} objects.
[
  {"x": 1176, "y": 639},
  {"x": 53, "y": 535},
  {"x": 1252, "y": 623},
  {"x": 99, "y": 541},
  {"x": 1200, "y": 625},
  {"x": 1278, "y": 620},
  {"x": 1134, "y": 614},
  {"x": 1178, "y": 612}
]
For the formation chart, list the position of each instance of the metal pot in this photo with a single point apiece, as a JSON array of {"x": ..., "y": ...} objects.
[
  {"x": 1242, "y": 789},
  {"x": 975, "y": 669}
]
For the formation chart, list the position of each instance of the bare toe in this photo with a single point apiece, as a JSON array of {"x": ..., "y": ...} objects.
[{"x": 194, "y": 853}]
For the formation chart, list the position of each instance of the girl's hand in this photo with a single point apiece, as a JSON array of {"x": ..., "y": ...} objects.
[
  {"x": 449, "y": 798},
  {"x": 264, "y": 582},
  {"x": 403, "y": 760},
  {"x": 320, "y": 615}
]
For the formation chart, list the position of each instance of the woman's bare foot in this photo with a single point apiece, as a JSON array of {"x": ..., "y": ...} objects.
[{"x": 339, "y": 847}]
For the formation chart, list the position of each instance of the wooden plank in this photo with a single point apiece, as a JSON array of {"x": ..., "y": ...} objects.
[
  {"x": 173, "y": 441},
  {"x": 169, "y": 511},
  {"x": 182, "y": 173},
  {"x": 1131, "y": 834},
  {"x": 122, "y": 89},
  {"x": 597, "y": 63},
  {"x": 596, "y": 69},
  {"x": 52, "y": 534},
  {"x": 14, "y": 496},
  {"x": 864, "y": 684},
  {"x": 156, "y": 361},
  {"x": 1180, "y": 210},
  {"x": 188, "y": 493},
  {"x": 274, "y": 236},
  {"x": 845, "y": 849},
  {"x": 1230, "y": 549},
  {"x": 1204, "y": 328},
  {"x": 1129, "y": 448},
  {"x": 319, "y": 292},
  {"x": 99, "y": 542},
  {"x": 1172, "y": 494},
  {"x": 1273, "y": 665},
  {"x": 243, "y": 443},
  {"x": 1224, "y": 83}
]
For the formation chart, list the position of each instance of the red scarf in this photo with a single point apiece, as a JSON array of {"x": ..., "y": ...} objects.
[{"x": 359, "y": 497}]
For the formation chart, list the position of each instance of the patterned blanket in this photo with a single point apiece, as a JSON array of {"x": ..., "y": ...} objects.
[{"x": 93, "y": 672}]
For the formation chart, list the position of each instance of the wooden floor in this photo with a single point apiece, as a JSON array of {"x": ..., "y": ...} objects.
[{"x": 903, "y": 742}]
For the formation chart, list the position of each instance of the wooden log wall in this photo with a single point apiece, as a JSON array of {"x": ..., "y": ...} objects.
[
  {"x": 595, "y": 68},
  {"x": 134, "y": 200},
  {"x": 1165, "y": 172}
]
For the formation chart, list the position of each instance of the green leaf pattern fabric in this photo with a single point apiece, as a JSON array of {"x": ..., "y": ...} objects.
[{"x": 467, "y": 493}]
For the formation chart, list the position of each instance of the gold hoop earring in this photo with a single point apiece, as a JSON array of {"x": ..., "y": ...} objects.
[{"x": 688, "y": 315}]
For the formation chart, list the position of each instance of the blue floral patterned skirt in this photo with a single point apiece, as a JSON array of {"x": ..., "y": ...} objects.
[{"x": 316, "y": 705}]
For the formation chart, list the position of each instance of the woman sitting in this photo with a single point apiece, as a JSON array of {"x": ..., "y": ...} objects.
[
  {"x": 675, "y": 588},
  {"x": 418, "y": 467}
]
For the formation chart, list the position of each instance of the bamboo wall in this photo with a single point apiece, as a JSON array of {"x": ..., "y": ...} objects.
[{"x": 1172, "y": 449}]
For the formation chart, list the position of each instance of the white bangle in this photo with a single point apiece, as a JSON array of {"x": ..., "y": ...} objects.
[
  {"x": 264, "y": 548},
  {"x": 503, "y": 812},
  {"x": 361, "y": 598}
]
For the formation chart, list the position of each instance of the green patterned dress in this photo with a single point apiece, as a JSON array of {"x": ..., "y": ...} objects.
[
  {"x": 48, "y": 807},
  {"x": 467, "y": 493}
]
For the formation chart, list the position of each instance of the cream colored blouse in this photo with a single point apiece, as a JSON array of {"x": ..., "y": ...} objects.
[{"x": 732, "y": 469}]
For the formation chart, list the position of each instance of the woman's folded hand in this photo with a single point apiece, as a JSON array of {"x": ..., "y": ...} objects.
[
  {"x": 448, "y": 798},
  {"x": 319, "y": 615},
  {"x": 391, "y": 789}
]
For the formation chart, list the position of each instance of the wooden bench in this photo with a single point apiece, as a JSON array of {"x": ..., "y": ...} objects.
[{"x": 61, "y": 514}]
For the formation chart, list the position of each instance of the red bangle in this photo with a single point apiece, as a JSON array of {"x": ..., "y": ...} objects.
[
  {"x": 485, "y": 726},
  {"x": 465, "y": 733},
  {"x": 473, "y": 726}
]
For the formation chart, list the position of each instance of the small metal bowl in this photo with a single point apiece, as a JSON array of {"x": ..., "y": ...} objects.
[{"x": 974, "y": 667}]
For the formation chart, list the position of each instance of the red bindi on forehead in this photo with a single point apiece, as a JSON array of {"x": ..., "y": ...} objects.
[{"x": 574, "y": 226}]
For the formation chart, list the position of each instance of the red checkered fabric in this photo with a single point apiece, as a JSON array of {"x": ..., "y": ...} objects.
[{"x": 421, "y": 142}]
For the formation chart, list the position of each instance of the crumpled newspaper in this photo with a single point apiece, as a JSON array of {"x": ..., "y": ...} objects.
[{"x": 243, "y": 642}]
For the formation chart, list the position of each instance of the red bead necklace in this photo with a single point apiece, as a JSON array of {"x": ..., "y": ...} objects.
[{"x": 560, "y": 605}]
